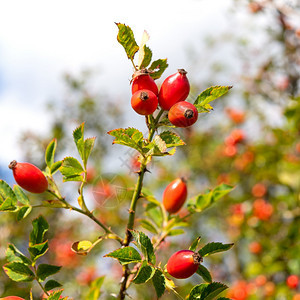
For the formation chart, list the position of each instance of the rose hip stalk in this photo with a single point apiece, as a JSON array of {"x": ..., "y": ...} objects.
[
  {"x": 175, "y": 88},
  {"x": 29, "y": 177}
]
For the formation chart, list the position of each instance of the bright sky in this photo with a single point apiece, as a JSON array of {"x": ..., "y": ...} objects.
[{"x": 40, "y": 40}]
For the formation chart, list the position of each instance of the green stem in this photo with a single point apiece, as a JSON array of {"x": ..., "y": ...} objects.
[
  {"x": 135, "y": 68},
  {"x": 82, "y": 202},
  {"x": 87, "y": 213},
  {"x": 154, "y": 125},
  {"x": 36, "y": 278},
  {"x": 134, "y": 200}
]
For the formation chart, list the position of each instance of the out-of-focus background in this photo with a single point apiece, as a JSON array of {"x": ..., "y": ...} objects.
[{"x": 61, "y": 65}]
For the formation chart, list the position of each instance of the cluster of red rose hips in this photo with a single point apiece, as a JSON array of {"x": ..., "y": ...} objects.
[
  {"x": 243, "y": 290},
  {"x": 171, "y": 96}
]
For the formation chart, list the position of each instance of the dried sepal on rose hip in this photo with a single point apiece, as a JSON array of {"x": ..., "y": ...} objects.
[
  {"x": 141, "y": 80},
  {"x": 175, "y": 88},
  {"x": 183, "y": 264},
  {"x": 144, "y": 102},
  {"x": 183, "y": 114},
  {"x": 29, "y": 177},
  {"x": 175, "y": 195}
]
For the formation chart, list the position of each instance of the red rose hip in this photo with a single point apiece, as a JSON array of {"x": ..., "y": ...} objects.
[
  {"x": 141, "y": 80},
  {"x": 144, "y": 102},
  {"x": 292, "y": 281},
  {"x": 175, "y": 88},
  {"x": 183, "y": 264},
  {"x": 175, "y": 195},
  {"x": 183, "y": 114},
  {"x": 29, "y": 177}
]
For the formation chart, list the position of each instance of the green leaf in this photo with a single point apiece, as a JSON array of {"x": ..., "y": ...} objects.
[
  {"x": 145, "y": 245},
  {"x": 148, "y": 225},
  {"x": 125, "y": 255},
  {"x": 174, "y": 232},
  {"x": 147, "y": 194},
  {"x": 157, "y": 68},
  {"x": 15, "y": 255},
  {"x": 223, "y": 298},
  {"x": 210, "y": 94},
  {"x": 55, "y": 295},
  {"x": 126, "y": 39},
  {"x": 40, "y": 227},
  {"x": 78, "y": 136},
  {"x": 159, "y": 282},
  {"x": 95, "y": 287},
  {"x": 203, "y": 201},
  {"x": 214, "y": 247},
  {"x": 196, "y": 291},
  {"x": 221, "y": 190},
  {"x": 88, "y": 147},
  {"x": 55, "y": 167},
  {"x": 21, "y": 196},
  {"x": 171, "y": 139},
  {"x": 195, "y": 243},
  {"x": 52, "y": 284},
  {"x": 71, "y": 169},
  {"x": 145, "y": 273},
  {"x": 23, "y": 212},
  {"x": 157, "y": 147},
  {"x": 145, "y": 54},
  {"x": 18, "y": 272},
  {"x": 8, "y": 205},
  {"x": 8, "y": 198},
  {"x": 38, "y": 250},
  {"x": 82, "y": 247},
  {"x": 129, "y": 137},
  {"x": 45, "y": 270},
  {"x": 204, "y": 273},
  {"x": 155, "y": 214},
  {"x": 212, "y": 290},
  {"x": 50, "y": 152}
]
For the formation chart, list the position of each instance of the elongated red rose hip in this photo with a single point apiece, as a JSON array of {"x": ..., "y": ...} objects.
[
  {"x": 141, "y": 80},
  {"x": 175, "y": 195},
  {"x": 183, "y": 264},
  {"x": 29, "y": 177},
  {"x": 183, "y": 114},
  {"x": 175, "y": 88}
]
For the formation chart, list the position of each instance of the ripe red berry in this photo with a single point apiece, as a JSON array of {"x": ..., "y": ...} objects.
[
  {"x": 144, "y": 102},
  {"x": 175, "y": 195},
  {"x": 183, "y": 114},
  {"x": 292, "y": 281},
  {"x": 262, "y": 209},
  {"x": 29, "y": 177},
  {"x": 183, "y": 264},
  {"x": 141, "y": 80},
  {"x": 175, "y": 88},
  {"x": 255, "y": 247}
]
